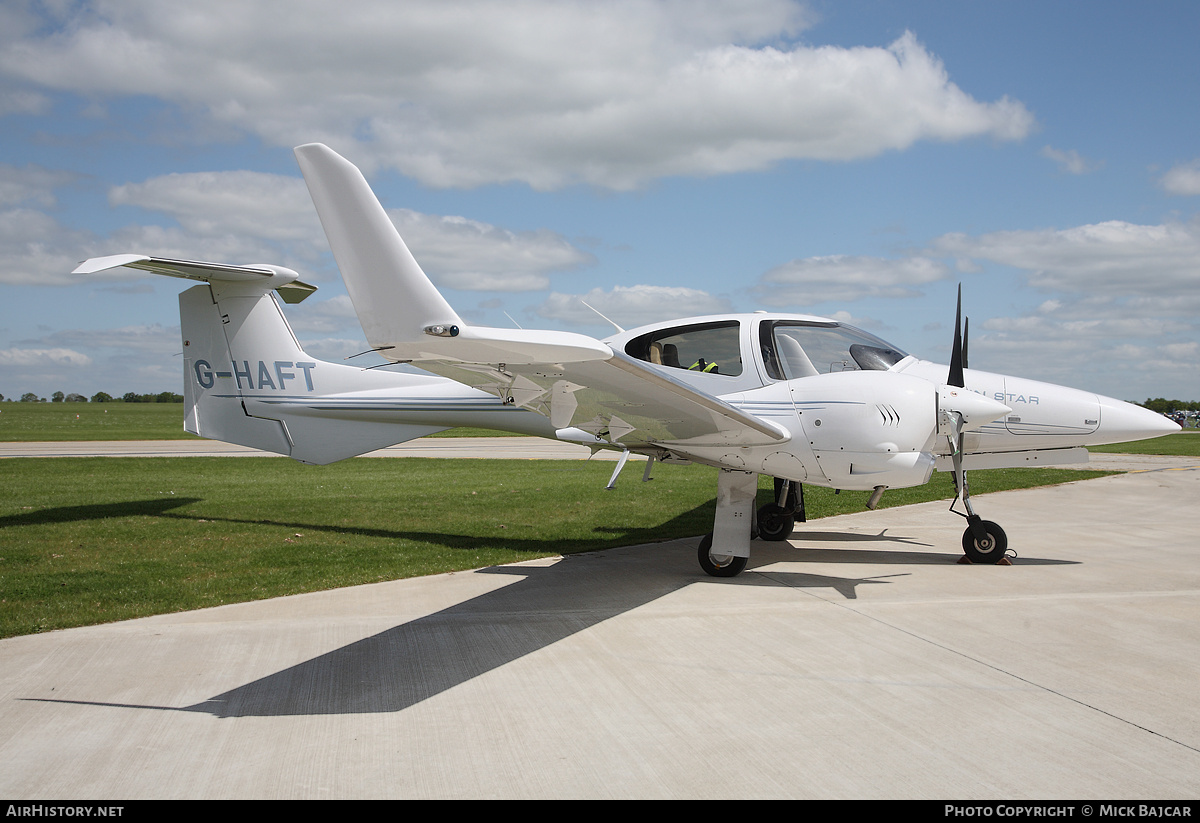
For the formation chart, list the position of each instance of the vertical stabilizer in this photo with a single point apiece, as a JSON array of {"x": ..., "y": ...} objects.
[
  {"x": 248, "y": 381},
  {"x": 213, "y": 377}
]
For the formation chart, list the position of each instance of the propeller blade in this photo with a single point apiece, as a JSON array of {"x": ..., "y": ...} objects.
[
  {"x": 956, "y": 356},
  {"x": 966, "y": 339}
]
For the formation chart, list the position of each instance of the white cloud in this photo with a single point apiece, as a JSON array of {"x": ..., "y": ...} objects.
[
  {"x": 36, "y": 250},
  {"x": 30, "y": 185},
  {"x": 1122, "y": 318},
  {"x": 474, "y": 256},
  {"x": 272, "y": 206},
  {"x": 470, "y": 92},
  {"x": 23, "y": 102},
  {"x": 35, "y": 358},
  {"x": 1104, "y": 350},
  {"x": 1109, "y": 260},
  {"x": 456, "y": 252},
  {"x": 138, "y": 358},
  {"x": 1069, "y": 161},
  {"x": 843, "y": 278},
  {"x": 631, "y": 306},
  {"x": 318, "y": 316},
  {"x": 244, "y": 217},
  {"x": 1182, "y": 179}
]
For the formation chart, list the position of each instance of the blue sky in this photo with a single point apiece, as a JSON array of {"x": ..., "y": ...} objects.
[{"x": 657, "y": 159}]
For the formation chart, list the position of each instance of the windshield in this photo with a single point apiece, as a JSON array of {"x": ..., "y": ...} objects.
[{"x": 793, "y": 348}]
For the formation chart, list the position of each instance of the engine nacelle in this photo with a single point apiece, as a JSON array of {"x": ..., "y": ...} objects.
[{"x": 862, "y": 443}]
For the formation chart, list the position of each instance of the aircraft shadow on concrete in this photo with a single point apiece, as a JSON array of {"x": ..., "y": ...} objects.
[
  {"x": 414, "y": 661},
  {"x": 806, "y": 553}
]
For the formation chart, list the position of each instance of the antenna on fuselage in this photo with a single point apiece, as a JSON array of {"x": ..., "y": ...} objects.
[
  {"x": 614, "y": 325},
  {"x": 966, "y": 337}
]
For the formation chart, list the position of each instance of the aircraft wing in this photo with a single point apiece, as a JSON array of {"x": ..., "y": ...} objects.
[
  {"x": 575, "y": 380},
  {"x": 620, "y": 399},
  {"x": 289, "y": 288}
]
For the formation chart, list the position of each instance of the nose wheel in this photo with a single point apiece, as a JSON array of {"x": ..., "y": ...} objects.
[{"x": 984, "y": 542}]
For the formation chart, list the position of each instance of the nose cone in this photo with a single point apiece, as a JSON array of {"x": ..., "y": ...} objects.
[{"x": 1121, "y": 422}]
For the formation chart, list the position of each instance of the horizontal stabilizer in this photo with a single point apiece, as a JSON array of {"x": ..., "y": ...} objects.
[{"x": 282, "y": 279}]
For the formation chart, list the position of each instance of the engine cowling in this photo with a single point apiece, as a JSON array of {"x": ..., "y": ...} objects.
[{"x": 869, "y": 428}]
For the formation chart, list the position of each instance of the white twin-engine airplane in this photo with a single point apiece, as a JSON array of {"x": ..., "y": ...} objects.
[{"x": 802, "y": 399}]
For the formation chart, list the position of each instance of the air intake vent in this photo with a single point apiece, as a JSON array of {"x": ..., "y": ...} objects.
[{"x": 889, "y": 415}]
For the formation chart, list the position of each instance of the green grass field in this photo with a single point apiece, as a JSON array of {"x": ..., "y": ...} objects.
[
  {"x": 1184, "y": 444},
  {"x": 34, "y": 422},
  {"x": 91, "y": 540}
]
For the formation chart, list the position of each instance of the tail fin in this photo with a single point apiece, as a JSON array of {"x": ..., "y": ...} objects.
[{"x": 248, "y": 381}]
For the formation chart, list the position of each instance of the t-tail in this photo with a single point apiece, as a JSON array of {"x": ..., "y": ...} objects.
[{"x": 248, "y": 381}]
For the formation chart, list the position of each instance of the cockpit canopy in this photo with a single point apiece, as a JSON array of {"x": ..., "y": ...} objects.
[{"x": 788, "y": 348}]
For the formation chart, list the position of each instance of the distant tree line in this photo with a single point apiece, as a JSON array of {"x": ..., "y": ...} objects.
[
  {"x": 1162, "y": 405},
  {"x": 102, "y": 397}
]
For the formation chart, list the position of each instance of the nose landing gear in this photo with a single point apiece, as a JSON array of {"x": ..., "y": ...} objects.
[{"x": 983, "y": 541}]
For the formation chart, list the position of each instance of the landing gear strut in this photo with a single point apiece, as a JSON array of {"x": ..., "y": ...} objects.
[
  {"x": 983, "y": 541},
  {"x": 724, "y": 551},
  {"x": 776, "y": 520}
]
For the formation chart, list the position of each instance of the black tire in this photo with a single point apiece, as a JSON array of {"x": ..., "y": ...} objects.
[
  {"x": 775, "y": 523},
  {"x": 720, "y": 565},
  {"x": 989, "y": 550}
]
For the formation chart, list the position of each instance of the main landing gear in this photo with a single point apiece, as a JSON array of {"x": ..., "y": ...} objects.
[
  {"x": 719, "y": 565},
  {"x": 776, "y": 520},
  {"x": 736, "y": 523}
]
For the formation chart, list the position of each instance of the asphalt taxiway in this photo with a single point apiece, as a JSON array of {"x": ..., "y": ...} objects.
[{"x": 860, "y": 660}]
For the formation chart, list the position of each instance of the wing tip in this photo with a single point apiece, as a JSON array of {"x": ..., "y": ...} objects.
[{"x": 112, "y": 261}]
